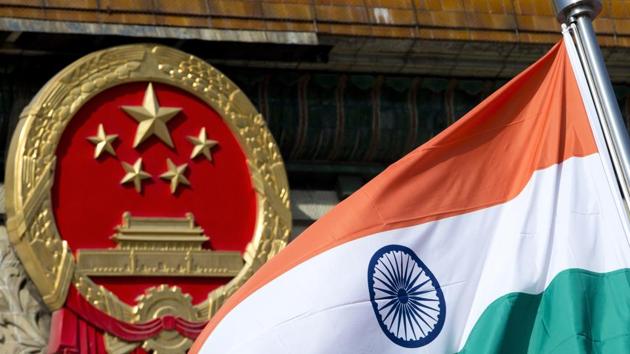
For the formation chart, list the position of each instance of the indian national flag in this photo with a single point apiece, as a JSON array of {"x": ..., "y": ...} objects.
[{"x": 506, "y": 233}]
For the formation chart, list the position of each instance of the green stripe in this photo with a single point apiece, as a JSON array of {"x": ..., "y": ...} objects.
[{"x": 579, "y": 312}]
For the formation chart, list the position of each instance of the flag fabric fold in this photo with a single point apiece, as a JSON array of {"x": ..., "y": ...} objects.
[{"x": 503, "y": 234}]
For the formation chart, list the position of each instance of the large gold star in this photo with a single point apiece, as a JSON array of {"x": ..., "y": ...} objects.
[
  {"x": 202, "y": 145},
  {"x": 175, "y": 174},
  {"x": 103, "y": 142},
  {"x": 134, "y": 174},
  {"x": 151, "y": 118}
]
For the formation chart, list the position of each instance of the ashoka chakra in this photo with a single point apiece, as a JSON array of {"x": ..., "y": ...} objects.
[{"x": 406, "y": 298}]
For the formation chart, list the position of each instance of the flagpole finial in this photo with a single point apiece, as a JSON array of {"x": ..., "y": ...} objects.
[{"x": 568, "y": 10}]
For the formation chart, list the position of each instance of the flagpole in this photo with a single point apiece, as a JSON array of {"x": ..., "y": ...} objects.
[{"x": 579, "y": 14}]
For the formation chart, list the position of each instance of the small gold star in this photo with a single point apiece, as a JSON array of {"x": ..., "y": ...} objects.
[
  {"x": 151, "y": 118},
  {"x": 202, "y": 145},
  {"x": 134, "y": 174},
  {"x": 103, "y": 142},
  {"x": 175, "y": 174}
]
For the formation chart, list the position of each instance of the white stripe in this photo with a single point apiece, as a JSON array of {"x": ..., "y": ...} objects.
[
  {"x": 564, "y": 218},
  {"x": 596, "y": 128}
]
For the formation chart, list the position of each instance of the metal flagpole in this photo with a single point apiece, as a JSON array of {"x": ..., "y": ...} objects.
[{"x": 578, "y": 16}]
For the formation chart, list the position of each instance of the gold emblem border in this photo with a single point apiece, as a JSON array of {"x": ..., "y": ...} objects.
[{"x": 31, "y": 162}]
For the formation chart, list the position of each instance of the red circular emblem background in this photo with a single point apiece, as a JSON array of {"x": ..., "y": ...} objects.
[{"x": 89, "y": 200}]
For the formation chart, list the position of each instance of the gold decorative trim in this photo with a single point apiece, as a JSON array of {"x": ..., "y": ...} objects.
[{"x": 31, "y": 162}]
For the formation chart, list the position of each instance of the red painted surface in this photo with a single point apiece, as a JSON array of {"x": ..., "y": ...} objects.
[{"x": 88, "y": 199}]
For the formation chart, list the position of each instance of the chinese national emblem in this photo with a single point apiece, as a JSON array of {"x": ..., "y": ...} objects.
[{"x": 143, "y": 190}]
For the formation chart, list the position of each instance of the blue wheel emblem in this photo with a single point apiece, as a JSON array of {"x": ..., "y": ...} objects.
[{"x": 407, "y": 299}]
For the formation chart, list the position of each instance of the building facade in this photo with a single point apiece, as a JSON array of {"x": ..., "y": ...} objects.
[{"x": 346, "y": 87}]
